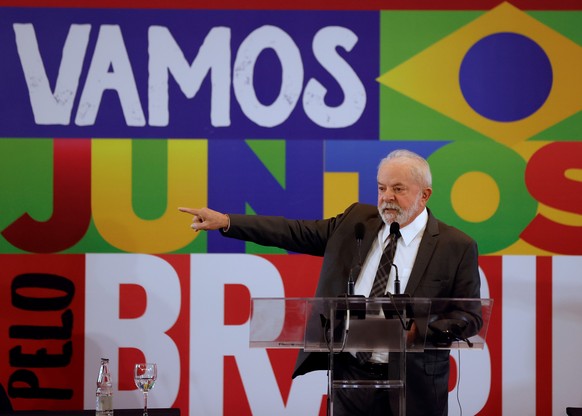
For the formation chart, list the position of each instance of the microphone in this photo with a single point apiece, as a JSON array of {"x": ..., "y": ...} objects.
[
  {"x": 396, "y": 281},
  {"x": 394, "y": 236},
  {"x": 359, "y": 231},
  {"x": 395, "y": 230}
]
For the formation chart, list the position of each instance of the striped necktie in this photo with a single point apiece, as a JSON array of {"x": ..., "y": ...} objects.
[{"x": 381, "y": 279}]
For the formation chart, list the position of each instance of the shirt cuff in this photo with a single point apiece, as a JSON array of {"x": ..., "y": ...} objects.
[{"x": 225, "y": 229}]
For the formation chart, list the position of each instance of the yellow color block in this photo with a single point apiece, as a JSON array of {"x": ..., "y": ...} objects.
[
  {"x": 340, "y": 189},
  {"x": 112, "y": 208}
]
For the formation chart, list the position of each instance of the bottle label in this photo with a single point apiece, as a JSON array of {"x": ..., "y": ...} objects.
[{"x": 104, "y": 406}]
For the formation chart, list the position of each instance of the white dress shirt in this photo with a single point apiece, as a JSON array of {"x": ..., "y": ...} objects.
[{"x": 406, "y": 250}]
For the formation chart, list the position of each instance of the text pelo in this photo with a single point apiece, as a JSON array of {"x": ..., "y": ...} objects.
[{"x": 44, "y": 296}]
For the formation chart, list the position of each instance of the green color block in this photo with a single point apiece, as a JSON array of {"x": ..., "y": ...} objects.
[
  {"x": 272, "y": 154},
  {"x": 149, "y": 178}
]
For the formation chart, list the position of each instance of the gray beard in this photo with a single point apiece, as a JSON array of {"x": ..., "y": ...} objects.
[{"x": 402, "y": 216}]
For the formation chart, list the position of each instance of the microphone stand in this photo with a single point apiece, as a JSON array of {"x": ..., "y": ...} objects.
[{"x": 396, "y": 281}]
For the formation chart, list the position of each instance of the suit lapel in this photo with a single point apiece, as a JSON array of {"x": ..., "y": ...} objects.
[
  {"x": 425, "y": 252},
  {"x": 372, "y": 228}
]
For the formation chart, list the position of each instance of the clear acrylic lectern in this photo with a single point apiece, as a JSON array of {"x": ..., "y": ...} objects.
[{"x": 377, "y": 325}]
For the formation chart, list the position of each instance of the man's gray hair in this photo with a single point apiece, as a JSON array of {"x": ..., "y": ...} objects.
[{"x": 419, "y": 167}]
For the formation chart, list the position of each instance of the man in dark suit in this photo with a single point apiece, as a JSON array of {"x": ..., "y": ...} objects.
[{"x": 434, "y": 260}]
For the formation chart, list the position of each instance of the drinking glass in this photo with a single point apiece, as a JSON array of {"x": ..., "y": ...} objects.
[{"x": 145, "y": 375}]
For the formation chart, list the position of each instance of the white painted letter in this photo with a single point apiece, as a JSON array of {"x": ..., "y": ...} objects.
[
  {"x": 166, "y": 56},
  {"x": 211, "y": 340},
  {"x": 324, "y": 47},
  {"x": 52, "y": 107},
  {"x": 110, "y": 69},
  {"x": 292, "y": 79},
  {"x": 105, "y": 332}
]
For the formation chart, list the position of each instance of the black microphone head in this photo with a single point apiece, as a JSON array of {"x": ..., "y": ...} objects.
[
  {"x": 395, "y": 229},
  {"x": 359, "y": 231}
]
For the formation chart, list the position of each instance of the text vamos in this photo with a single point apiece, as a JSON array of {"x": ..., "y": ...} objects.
[{"x": 85, "y": 74}]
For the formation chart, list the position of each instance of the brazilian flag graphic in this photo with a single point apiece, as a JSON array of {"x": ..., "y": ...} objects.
[{"x": 499, "y": 86}]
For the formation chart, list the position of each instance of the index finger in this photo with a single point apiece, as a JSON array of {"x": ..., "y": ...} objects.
[{"x": 189, "y": 210}]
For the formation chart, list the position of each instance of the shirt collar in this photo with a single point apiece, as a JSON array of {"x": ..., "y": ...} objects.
[{"x": 410, "y": 232}]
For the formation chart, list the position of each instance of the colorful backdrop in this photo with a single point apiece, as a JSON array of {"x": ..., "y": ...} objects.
[{"x": 113, "y": 115}]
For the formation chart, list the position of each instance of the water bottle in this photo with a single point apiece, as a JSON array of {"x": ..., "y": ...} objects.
[{"x": 104, "y": 399}]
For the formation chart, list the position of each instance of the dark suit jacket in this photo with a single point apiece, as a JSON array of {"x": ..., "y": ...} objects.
[{"x": 445, "y": 266}]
